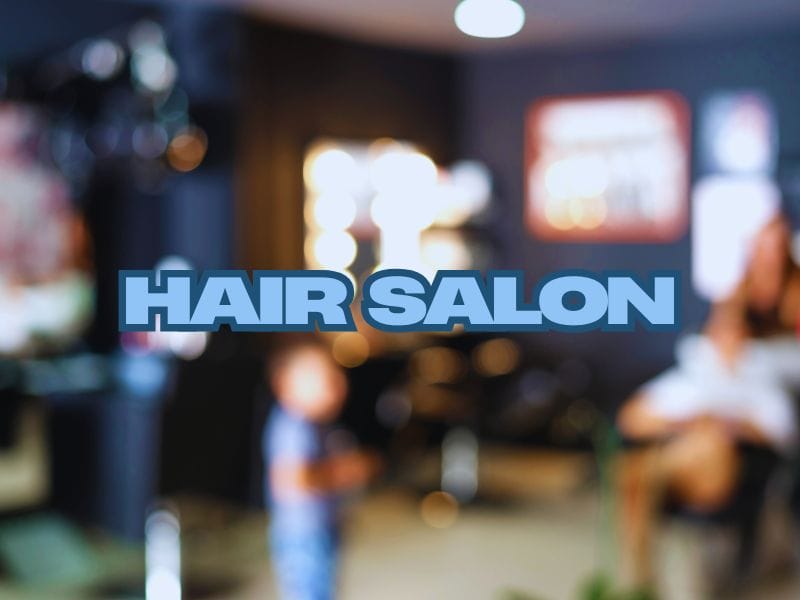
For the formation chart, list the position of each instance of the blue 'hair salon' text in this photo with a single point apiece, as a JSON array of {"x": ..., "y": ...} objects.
[{"x": 395, "y": 300}]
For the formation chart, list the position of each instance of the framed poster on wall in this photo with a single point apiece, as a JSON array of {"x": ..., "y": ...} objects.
[{"x": 607, "y": 168}]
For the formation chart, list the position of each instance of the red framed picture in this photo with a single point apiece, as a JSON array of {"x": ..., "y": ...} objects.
[{"x": 608, "y": 168}]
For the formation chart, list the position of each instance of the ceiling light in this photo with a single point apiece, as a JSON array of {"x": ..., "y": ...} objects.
[{"x": 489, "y": 18}]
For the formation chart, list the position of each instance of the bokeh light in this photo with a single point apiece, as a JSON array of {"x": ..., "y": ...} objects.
[
  {"x": 399, "y": 208},
  {"x": 403, "y": 172},
  {"x": 102, "y": 59},
  {"x": 446, "y": 250},
  {"x": 579, "y": 176},
  {"x": 463, "y": 193},
  {"x": 149, "y": 140},
  {"x": 330, "y": 170},
  {"x": 153, "y": 69},
  {"x": 350, "y": 349},
  {"x": 332, "y": 250},
  {"x": 496, "y": 357},
  {"x": 187, "y": 149},
  {"x": 439, "y": 510},
  {"x": 438, "y": 364},
  {"x": 334, "y": 211},
  {"x": 410, "y": 212},
  {"x": 489, "y": 18}
]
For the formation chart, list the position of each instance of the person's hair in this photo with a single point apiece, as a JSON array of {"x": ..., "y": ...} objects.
[{"x": 767, "y": 323}]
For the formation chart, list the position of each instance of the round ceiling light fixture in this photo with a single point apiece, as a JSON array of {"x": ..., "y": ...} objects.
[{"x": 489, "y": 18}]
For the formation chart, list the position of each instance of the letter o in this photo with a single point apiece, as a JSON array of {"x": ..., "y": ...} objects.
[{"x": 551, "y": 301}]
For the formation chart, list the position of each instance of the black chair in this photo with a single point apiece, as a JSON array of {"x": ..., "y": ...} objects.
[{"x": 743, "y": 511}]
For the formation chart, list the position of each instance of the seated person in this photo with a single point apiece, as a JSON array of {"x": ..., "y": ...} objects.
[
  {"x": 731, "y": 387},
  {"x": 307, "y": 473}
]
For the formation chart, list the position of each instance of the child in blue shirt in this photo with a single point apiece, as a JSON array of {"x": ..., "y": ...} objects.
[{"x": 306, "y": 474}]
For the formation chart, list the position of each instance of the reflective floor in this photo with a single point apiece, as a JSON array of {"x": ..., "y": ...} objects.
[{"x": 542, "y": 542}]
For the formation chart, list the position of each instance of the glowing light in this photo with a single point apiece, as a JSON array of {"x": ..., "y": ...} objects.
[
  {"x": 489, "y": 18},
  {"x": 383, "y": 145},
  {"x": 726, "y": 213},
  {"x": 388, "y": 192},
  {"x": 149, "y": 140},
  {"x": 400, "y": 248},
  {"x": 579, "y": 176},
  {"x": 188, "y": 345},
  {"x": 187, "y": 149},
  {"x": 587, "y": 213},
  {"x": 102, "y": 59},
  {"x": 153, "y": 68},
  {"x": 401, "y": 172},
  {"x": 608, "y": 168},
  {"x": 402, "y": 212},
  {"x": 332, "y": 250},
  {"x": 350, "y": 349},
  {"x": 162, "y": 585},
  {"x": 557, "y": 214},
  {"x": 162, "y": 556},
  {"x": 171, "y": 262},
  {"x": 334, "y": 211},
  {"x": 438, "y": 365},
  {"x": 465, "y": 195},
  {"x": 741, "y": 132},
  {"x": 461, "y": 193},
  {"x": 446, "y": 250},
  {"x": 439, "y": 510},
  {"x": 146, "y": 33},
  {"x": 742, "y": 150},
  {"x": 460, "y": 464},
  {"x": 496, "y": 357},
  {"x": 330, "y": 170}
]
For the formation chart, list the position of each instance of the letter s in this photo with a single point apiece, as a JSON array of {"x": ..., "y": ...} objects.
[{"x": 391, "y": 301}]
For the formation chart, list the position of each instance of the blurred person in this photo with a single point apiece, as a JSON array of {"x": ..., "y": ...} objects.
[
  {"x": 726, "y": 401},
  {"x": 307, "y": 473},
  {"x": 46, "y": 290}
]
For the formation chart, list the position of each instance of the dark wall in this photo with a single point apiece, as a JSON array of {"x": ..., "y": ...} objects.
[
  {"x": 294, "y": 87},
  {"x": 496, "y": 90},
  {"x": 299, "y": 86},
  {"x": 34, "y": 27}
]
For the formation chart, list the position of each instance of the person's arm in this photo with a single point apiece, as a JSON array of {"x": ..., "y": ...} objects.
[
  {"x": 636, "y": 421},
  {"x": 748, "y": 431},
  {"x": 335, "y": 474}
]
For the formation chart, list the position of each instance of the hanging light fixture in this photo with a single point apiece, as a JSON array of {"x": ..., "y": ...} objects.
[{"x": 489, "y": 18}]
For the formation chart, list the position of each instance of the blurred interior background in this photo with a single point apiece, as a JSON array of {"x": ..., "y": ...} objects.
[{"x": 352, "y": 135}]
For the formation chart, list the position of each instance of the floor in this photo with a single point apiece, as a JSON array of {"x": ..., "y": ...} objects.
[
  {"x": 543, "y": 542},
  {"x": 541, "y": 534},
  {"x": 543, "y": 551}
]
